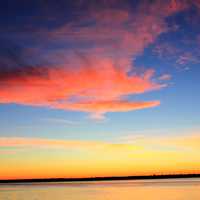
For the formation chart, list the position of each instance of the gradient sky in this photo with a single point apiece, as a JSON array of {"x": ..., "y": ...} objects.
[{"x": 99, "y": 88}]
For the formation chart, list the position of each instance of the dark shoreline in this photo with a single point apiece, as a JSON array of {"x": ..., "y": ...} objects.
[{"x": 46, "y": 180}]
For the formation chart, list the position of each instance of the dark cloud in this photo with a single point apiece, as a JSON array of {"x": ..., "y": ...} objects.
[{"x": 14, "y": 63}]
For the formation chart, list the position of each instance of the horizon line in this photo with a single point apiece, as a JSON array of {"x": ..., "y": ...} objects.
[{"x": 107, "y": 178}]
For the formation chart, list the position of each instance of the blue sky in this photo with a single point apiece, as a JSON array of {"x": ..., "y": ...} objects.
[{"x": 105, "y": 71}]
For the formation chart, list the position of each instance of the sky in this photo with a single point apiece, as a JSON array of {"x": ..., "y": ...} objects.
[{"x": 99, "y": 88}]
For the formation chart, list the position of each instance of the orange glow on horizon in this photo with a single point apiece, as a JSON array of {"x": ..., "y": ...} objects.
[{"x": 65, "y": 158}]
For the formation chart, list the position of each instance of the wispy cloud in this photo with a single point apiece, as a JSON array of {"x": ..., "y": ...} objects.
[
  {"x": 165, "y": 77},
  {"x": 129, "y": 155},
  {"x": 62, "y": 121},
  {"x": 179, "y": 142},
  {"x": 45, "y": 143},
  {"x": 187, "y": 58}
]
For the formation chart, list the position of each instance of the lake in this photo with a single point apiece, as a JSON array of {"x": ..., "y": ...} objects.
[{"x": 165, "y": 189}]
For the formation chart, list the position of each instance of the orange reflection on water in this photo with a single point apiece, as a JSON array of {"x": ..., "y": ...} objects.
[{"x": 174, "y": 189}]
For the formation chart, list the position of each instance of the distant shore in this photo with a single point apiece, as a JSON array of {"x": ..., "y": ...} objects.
[{"x": 169, "y": 176}]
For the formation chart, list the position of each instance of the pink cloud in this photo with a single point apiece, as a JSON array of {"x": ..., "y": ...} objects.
[
  {"x": 47, "y": 143},
  {"x": 166, "y": 51},
  {"x": 85, "y": 89},
  {"x": 96, "y": 75},
  {"x": 165, "y": 77},
  {"x": 99, "y": 108},
  {"x": 186, "y": 58}
]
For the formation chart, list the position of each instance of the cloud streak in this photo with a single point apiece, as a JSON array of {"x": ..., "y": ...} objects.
[
  {"x": 137, "y": 155},
  {"x": 187, "y": 142}
]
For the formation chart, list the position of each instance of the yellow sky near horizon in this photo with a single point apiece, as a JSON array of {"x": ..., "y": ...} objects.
[{"x": 49, "y": 158}]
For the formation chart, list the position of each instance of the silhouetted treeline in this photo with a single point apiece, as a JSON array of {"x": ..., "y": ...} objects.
[{"x": 101, "y": 178}]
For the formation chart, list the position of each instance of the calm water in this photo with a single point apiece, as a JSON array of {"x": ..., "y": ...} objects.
[{"x": 174, "y": 189}]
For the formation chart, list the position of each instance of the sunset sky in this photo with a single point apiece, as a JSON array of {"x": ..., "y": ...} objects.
[{"x": 99, "y": 88}]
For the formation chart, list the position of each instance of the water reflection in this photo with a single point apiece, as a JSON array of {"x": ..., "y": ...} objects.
[{"x": 174, "y": 189}]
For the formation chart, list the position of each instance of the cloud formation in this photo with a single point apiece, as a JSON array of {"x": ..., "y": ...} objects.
[
  {"x": 85, "y": 89},
  {"x": 90, "y": 61}
]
